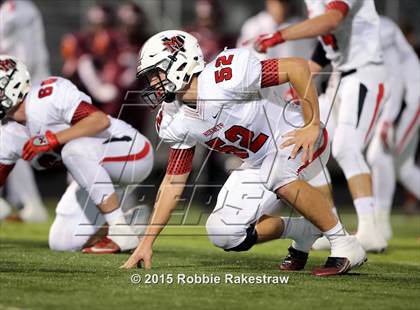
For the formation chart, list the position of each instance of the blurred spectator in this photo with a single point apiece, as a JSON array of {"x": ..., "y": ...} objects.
[
  {"x": 277, "y": 15},
  {"x": 102, "y": 59},
  {"x": 133, "y": 31},
  {"x": 208, "y": 21},
  {"x": 89, "y": 58}
]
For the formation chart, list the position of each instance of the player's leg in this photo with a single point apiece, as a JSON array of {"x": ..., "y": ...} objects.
[
  {"x": 245, "y": 214},
  {"x": 77, "y": 219},
  {"x": 322, "y": 182},
  {"x": 22, "y": 190},
  {"x": 384, "y": 183},
  {"x": 407, "y": 138},
  {"x": 355, "y": 125},
  {"x": 82, "y": 157},
  {"x": 5, "y": 209},
  {"x": 240, "y": 203},
  {"x": 286, "y": 177},
  {"x": 127, "y": 163}
]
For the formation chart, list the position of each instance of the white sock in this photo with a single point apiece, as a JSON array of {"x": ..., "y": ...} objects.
[
  {"x": 364, "y": 206},
  {"x": 120, "y": 231},
  {"x": 334, "y": 210},
  {"x": 335, "y": 235},
  {"x": 301, "y": 231},
  {"x": 113, "y": 216}
]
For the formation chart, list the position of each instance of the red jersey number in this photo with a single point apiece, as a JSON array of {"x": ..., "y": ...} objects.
[
  {"x": 225, "y": 73},
  {"x": 46, "y": 91},
  {"x": 246, "y": 138}
]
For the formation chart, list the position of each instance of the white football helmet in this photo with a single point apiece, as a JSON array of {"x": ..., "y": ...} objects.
[
  {"x": 175, "y": 53},
  {"x": 14, "y": 83}
]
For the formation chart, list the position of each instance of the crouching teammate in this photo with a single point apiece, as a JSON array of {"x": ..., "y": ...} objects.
[
  {"x": 98, "y": 151},
  {"x": 219, "y": 106}
]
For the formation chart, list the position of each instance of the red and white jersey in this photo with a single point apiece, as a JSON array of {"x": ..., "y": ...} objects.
[
  {"x": 22, "y": 35},
  {"x": 12, "y": 139},
  {"x": 231, "y": 115},
  {"x": 356, "y": 41},
  {"x": 56, "y": 104}
]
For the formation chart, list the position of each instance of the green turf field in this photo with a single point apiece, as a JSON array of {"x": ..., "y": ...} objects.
[{"x": 32, "y": 277}]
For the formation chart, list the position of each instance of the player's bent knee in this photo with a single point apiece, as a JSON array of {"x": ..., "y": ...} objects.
[
  {"x": 81, "y": 147},
  {"x": 350, "y": 158},
  {"x": 230, "y": 237}
]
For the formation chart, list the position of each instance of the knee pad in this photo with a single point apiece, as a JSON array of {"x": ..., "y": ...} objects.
[
  {"x": 230, "y": 237},
  {"x": 250, "y": 239},
  {"x": 348, "y": 151}
]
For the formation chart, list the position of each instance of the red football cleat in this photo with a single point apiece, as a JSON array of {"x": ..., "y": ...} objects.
[
  {"x": 294, "y": 261},
  {"x": 333, "y": 267},
  {"x": 103, "y": 246}
]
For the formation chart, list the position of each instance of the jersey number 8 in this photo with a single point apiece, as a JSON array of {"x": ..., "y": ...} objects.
[{"x": 46, "y": 91}]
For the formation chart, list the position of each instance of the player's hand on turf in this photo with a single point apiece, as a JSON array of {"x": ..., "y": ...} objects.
[
  {"x": 143, "y": 254},
  {"x": 304, "y": 140},
  {"x": 39, "y": 144},
  {"x": 263, "y": 42}
]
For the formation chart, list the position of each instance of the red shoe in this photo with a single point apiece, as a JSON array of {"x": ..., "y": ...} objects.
[
  {"x": 103, "y": 246},
  {"x": 295, "y": 260},
  {"x": 333, "y": 267}
]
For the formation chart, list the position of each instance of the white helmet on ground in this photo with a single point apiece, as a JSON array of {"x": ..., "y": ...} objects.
[
  {"x": 14, "y": 83},
  {"x": 178, "y": 55}
]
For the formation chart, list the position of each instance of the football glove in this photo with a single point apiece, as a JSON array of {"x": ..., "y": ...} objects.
[
  {"x": 40, "y": 144},
  {"x": 265, "y": 41}
]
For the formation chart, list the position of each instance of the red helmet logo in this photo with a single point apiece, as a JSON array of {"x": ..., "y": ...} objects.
[
  {"x": 174, "y": 44},
  {"x": 7, "y": 64}
]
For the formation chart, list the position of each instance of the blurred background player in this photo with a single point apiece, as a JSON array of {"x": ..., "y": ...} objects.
[
  {"x": 278, "y": 14},
  {"x": 348, "y": 32},
  {"x": 392, "y": 152},
  {"x": 22, "y": 36}
]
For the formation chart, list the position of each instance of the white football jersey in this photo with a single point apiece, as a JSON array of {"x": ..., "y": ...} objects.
[
  {"x": 12, "y": 139},
  {"x": 231, "y": 116},
  {"x": 52, "y": 104},
  {"x": 356, "y": 41},
  {"x": 22, "y": 35},
  {"x": 403, "y": 67}
]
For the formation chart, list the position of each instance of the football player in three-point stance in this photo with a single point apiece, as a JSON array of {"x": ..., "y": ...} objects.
[
  {"x": 220, "y": 106},
  {"x": 349, "y": 38},
  {"x": 99, "y": 151}
]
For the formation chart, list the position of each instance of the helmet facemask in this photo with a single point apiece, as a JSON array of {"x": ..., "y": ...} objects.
[
  {"x": 157, "y": 87},
  {"x": 6, "y": 103}
]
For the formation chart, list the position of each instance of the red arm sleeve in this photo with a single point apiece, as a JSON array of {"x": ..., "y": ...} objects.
[
  {"x": 338, "y": 5},
  {"x": 4, "y": 173},
  {"x": 180, "y": 161},
  {"x": 83, "y": 110},
  {"x": 269, "y": 73}
]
